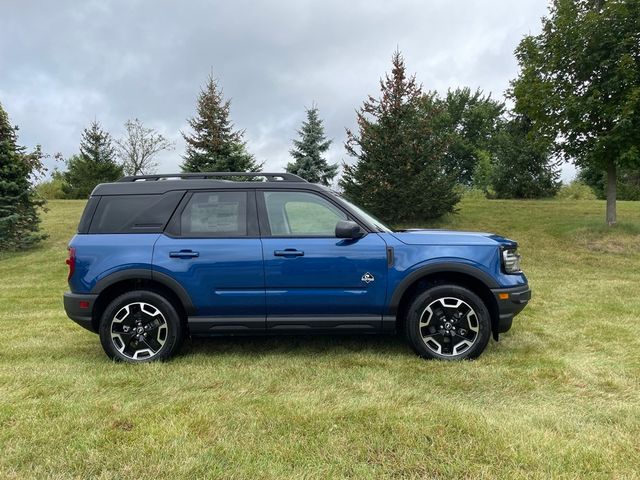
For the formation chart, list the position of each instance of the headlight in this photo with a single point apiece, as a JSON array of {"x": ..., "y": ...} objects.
[{"x": 511, "y": 260}]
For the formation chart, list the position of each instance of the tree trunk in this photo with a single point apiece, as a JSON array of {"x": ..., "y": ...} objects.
[{"x": 611, "y": 193}]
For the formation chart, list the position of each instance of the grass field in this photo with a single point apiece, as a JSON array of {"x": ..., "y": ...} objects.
[{"x": 557, "y": 397}]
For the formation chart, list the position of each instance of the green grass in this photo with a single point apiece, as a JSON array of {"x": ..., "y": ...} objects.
[{"x": 557, "y": 397}]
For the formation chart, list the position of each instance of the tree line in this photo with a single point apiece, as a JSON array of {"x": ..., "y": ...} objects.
[{"x": 413, "y": 152}]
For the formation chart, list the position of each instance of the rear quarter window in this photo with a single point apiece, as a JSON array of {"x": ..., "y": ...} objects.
[{"x": 134, "y": 213}]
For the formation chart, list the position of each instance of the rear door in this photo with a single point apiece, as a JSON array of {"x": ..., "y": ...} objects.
[
  {"x": 212, "y": 248},
  {"x": 313, "y": 279}
]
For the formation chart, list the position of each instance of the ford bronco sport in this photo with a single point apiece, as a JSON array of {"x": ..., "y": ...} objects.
[{"x": 160, "y": 257}]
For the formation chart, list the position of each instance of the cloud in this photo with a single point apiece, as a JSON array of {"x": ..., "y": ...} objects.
[{"x": 64, "y": 63}]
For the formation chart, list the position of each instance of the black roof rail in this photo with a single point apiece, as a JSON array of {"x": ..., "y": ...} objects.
[{"x": 271, "y": 177}]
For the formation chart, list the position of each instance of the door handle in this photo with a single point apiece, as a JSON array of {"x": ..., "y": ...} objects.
[
  {"x": 184, "y": 254},
  {"x": 288, "y": 252}
]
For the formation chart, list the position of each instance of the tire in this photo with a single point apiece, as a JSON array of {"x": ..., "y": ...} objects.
[
  {"x": 140, "y": 326},
  {"x": 448, "y": 322}
]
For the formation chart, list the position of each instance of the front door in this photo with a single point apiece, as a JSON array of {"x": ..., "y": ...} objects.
[
  {"x": 313, "y": 279},
  {"x": 215, "y": 253}
]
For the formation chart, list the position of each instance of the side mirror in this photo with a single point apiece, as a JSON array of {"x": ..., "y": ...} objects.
[{"x": 348, "y": 229}]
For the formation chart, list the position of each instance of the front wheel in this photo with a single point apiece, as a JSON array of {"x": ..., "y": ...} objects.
[
  {"x": 448, "y": 322},
  {"x": 140, "y": 326}
]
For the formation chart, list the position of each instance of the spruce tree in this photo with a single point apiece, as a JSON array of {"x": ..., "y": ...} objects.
[
  {"x": 399, "y": 174},
  {"x": 95, "y": 164},
  {"x": 214, "y": 145},
  {"x": 307, "y": 151},
  {"x": 523, "y": 165},
  {"x": 19, "y": 203}
]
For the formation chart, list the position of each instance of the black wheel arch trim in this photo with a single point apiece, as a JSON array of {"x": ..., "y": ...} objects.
[
  {"x": 147, "y": 274},
  {"x": 434, "y": 268}
]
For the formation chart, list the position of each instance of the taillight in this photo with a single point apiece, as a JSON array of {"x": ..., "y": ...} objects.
[{"x": 71, "y": 261}]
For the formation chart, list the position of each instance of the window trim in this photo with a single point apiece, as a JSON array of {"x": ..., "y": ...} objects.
[
  {"x": 263, "y": 216},
  {"x": 174, "y": 225}
]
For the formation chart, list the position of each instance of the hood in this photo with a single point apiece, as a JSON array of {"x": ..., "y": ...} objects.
[{"x": 450, "y": 237}]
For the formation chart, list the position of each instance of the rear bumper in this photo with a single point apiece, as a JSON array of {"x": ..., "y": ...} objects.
[
  {"x": 510, "y": 301},
  {"x": 78, "y": 307}
]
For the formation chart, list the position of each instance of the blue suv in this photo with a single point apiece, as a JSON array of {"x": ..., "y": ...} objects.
[{"x": 160, "y": 257}]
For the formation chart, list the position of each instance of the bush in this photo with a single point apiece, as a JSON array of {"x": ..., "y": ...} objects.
[
  {"x": 473, "y": 193},
  {"x": 52, "y": 189},
  {"x": 576, "y": 190}
]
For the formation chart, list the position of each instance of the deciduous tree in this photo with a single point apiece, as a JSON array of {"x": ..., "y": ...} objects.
[
  {"x": 473, "y": 120},
  {"x": 580, "y": 84},
  {"x": 138, "y": 148}
]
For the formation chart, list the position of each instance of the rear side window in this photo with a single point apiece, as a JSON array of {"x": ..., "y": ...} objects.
[
  {"x": 87, "y": 214},
  {"x": 215, "y": 214},
  {"x": 134, "y": 213}
]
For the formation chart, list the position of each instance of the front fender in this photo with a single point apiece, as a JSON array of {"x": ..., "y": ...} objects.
[{"x": 442, "y": 265}]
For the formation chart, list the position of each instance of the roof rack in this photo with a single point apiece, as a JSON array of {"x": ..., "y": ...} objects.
[{"x": 271, "y": 177}]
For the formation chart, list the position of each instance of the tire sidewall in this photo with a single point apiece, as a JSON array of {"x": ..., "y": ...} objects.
[
  {"x": 420, "y": 303},
  {"x": 174, "y": 328}
]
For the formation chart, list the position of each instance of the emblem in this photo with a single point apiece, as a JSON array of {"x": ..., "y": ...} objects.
[{"x": 367, "y": 278}]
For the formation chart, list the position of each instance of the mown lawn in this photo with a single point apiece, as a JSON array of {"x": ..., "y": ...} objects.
[{"x": 557, "y": 397}]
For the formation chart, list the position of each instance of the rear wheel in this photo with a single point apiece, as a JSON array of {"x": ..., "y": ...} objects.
[
  {"x": 448, "y": 322},
  {"x": 140, "y": 326}
]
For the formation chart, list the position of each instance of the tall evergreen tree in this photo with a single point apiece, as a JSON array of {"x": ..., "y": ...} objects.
[
  {"x": 19, "y": 219},
  {"x": 214, "y": 145},
  {"x": 523, "y": 166},
  {"x": 398, "y": 173},
  {"x": 95, "y": 164},
  {"x": 308, "y": 150}
]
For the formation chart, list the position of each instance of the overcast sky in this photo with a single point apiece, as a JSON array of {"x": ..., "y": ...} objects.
[{"x": 64, "y": 63}]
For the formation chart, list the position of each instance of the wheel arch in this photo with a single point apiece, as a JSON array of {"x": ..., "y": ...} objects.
[
  {"x": 463, "y": 275},
  {"x": 118, "y": 283}
]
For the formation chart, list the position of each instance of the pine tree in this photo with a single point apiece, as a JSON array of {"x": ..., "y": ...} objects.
[
  {"x": 307, "y": 152},
  {"x": 214, "y": 145},
  {"x": 95, "y": 164},
  {"x": 523, "y": 166},
  {"x": 19, "y": 203},
  {"x": 398, "y": 173}
]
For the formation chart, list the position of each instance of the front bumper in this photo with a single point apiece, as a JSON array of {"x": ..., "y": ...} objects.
[
  {"x": 78, "y": 307},
  {"x": 510, "y": 301}
]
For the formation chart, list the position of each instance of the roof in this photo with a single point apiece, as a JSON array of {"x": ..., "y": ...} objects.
[{"x": 162, "y": 183}]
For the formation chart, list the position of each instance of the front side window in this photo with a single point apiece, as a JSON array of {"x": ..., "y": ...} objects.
[
  {"x": 215, "y": 214},
  {"x": 301, "y": 214}
]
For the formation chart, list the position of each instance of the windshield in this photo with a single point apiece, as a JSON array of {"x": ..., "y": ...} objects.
[{"x": 379, "y": 226}]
